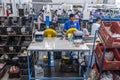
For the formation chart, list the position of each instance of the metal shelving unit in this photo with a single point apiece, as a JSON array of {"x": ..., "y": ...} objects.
[
  {"x": 100, "y": 65},
  {"x": 17, "y": 29}
]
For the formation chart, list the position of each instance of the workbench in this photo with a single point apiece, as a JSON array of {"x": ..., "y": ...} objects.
[{"x": 57, "y": 44}]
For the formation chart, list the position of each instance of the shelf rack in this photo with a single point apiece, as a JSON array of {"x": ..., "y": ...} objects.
[
  {"x": 100, "y": 65},
  {"x": 16, "y": 29}
]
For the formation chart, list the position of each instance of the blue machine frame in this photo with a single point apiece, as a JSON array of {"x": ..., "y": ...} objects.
[{"x": 58, "y": 78}]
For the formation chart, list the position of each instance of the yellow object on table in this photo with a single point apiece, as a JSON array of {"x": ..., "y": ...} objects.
[
  {"x": 70, "y": 31},
  {"x": 49, "y": 33}
]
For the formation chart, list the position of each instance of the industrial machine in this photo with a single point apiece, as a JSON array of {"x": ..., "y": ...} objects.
[{"x": 39, "y": 36}]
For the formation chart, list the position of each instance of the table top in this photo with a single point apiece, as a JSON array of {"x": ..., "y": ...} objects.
[{"x": 56, "y": 44}]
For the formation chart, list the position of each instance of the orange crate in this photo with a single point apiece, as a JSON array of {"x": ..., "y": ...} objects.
[{"x": 107, "y": 65}]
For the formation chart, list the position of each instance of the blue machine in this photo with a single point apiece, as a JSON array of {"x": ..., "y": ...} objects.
[{"x": 39, "y": 36}]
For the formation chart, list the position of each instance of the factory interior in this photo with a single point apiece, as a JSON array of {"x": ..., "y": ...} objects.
[{"x": 59, "y": 39}]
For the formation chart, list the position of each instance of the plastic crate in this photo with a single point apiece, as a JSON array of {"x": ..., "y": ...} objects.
[
  {"x": 23, "y": 77},
  {"x": 97, "y": 72},
  {"x": 22, "y": 59},
  {"x": 107, "y": 65},
  {"x": 3, "y": 41},
  {"x": 14, "y": 41},
  {"x": 23, "y": 65},
  {"x": 114, "y": 75},
  {"x": 12, "y": 49},
  {"x": 118, "y": 53},
  {"x": 17, "y": 30},
  {"x": 3, "y": 31},
  {"x": 106, "y": 24},
  {"x": 23, "y": 71},
  {"x": 106, "y": 36},
  {"x": 116, "y": 27},
  {"x": 25, "y": 41}
]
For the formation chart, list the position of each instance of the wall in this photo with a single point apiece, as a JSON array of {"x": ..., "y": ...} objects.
[
  {"x": 14, "y": 2},
  {"x": 13, "y": 6},
  {"x": 111, "y": 1},
  {"x": 78, "y": 1},
  {"x": 74, "y": 2},
  {"x": 37, "y": 7}
]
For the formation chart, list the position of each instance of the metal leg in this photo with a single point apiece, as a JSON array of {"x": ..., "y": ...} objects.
[
  {"x": 78, "y": 54},
  {"x": 89, "y": 59},
  {"x": 88, "y": 65},
  {"x": 28, "y": 61},
  {"x": 49, "y": 59},
  {"x": 102, "y": 60},
  {"x": 103, "y": 55},
  {"x": 93, "y": 49}
]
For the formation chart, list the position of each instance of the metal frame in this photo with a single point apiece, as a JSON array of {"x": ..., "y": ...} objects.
[
  {"x": 100, "y": 66},
  {"x": 58, "y": 78}
]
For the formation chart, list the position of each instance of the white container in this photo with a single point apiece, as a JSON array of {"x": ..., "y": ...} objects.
[{"x": 39, "y": 72}]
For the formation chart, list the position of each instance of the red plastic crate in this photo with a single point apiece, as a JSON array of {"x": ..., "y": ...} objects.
[
  {"x": 114, "y": 26},
  {"x": 118, "y": 53},
  {"x": 97, "y": 72},
  {"x": 114, "y": 76},
  {"x": 106, "y": 35},
  {"x": 107, "y": 65},
  {"x": 106, "y": 24}
]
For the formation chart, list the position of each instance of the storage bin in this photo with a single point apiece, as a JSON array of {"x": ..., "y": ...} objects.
[
  {"x": 23, "y": 59},
  {"x": 106, "y": 24},
  {"x": 25, "y": 41},
  {"x": 108, "y": 38},
  {"x": 23, "y": 77},
  {"x": 115, "y": 28},
  {"x": 17, "y": 30},
  {"x": 23, "y": 65},
  {"x": 107, "y": 65},
  {"x": 13, "y": 41},
  {"x": 97, "y": 71},
  {"x": 3, "y": 41},
  {"x": 118, "y": 53},
  {"x": 3, "y": 30},
  {"x": 23, "y": 71}
]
